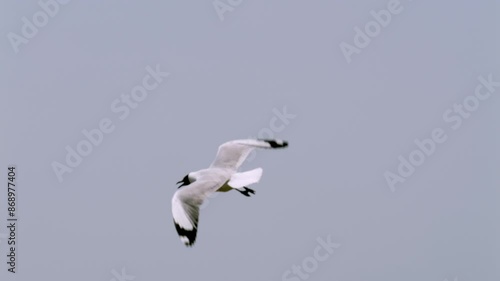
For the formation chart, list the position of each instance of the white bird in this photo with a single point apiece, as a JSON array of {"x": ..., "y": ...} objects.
[{"x": 221, "y": 176}]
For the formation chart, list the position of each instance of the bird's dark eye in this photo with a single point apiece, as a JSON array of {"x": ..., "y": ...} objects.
[{"x": 184, "y": 181}]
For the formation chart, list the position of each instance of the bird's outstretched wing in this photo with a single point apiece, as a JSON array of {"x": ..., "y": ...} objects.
[
  {"x": 232, "y": 154},
  {"x": 186, "y": 206}
]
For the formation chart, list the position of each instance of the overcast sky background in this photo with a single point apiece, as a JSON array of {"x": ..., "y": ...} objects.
[{"x": 227, "y": 79}]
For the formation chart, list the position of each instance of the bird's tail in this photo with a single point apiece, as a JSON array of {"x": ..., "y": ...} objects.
[{"x": 240, "y": 180}]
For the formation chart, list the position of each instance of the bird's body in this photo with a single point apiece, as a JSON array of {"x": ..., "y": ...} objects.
[{"x": 221, "y": 176}]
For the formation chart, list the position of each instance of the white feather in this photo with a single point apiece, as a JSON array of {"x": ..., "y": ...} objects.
[{"x": 239, "y": 180}]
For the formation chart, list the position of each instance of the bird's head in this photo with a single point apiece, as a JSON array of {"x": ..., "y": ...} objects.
[{"x": 184, "y": 181}]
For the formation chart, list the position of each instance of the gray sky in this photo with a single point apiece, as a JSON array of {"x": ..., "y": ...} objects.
[{"x": 232, "y": 74}]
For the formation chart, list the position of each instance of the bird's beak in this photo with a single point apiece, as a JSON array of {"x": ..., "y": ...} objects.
[{"x": 179, "y": 182}]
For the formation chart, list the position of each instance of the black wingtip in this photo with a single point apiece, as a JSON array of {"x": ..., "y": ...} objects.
[
  {"x": 276, "y": 143},
  {"x": 189, "y": 235}
]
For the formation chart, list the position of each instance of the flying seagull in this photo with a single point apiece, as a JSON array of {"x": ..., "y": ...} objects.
[{"x": 221, "y": 176}]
